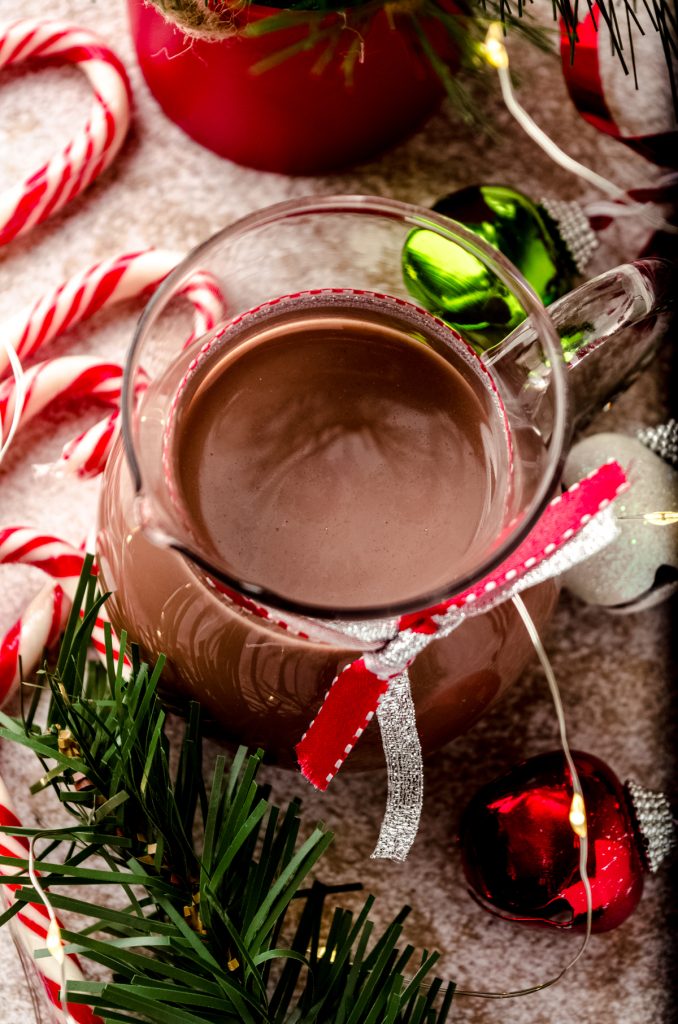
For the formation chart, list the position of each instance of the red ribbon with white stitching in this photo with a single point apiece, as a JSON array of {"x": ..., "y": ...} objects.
[{"x": 354, "y": 696}]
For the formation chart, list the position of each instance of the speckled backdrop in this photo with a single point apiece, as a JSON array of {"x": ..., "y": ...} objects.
[{"x": 616, "y": 673}]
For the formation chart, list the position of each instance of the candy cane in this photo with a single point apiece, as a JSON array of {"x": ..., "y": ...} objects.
[
  {"x": 99, "y": 286},
  {"x": 66, "y": 378},
  {"x": 204, "y": 294},
  {"x": 92, "y": 150},
  {"x": 32, "y": 921},
  {"x": 39, "y": 628},
  {"x": 36, "y": 631},
  {"x": 41, "y": 624},
  {"x": 87, "y": 454}
]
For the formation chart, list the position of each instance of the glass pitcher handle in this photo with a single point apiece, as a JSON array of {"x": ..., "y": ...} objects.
[{"x": 609, "y": 327}]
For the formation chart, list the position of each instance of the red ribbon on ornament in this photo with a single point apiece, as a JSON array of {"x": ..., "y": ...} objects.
[
  {"x": 581, "y": 67},
  {"x": 354, "y": 695}
]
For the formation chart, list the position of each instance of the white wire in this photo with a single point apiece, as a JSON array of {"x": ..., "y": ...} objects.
[
  {"x": 576, "y": 786},
  {"x": 562, "y": 728},
  {"x": 54, "y": 926},
  {"x": 647, "y": 211},
  {"x": 606, "y": 208}
]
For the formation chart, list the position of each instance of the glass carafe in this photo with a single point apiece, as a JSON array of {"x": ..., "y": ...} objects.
[{"x": 261, "y": 680}]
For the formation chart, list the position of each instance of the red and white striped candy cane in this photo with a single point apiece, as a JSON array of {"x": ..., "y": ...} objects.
[
  {"x": 203, "y": 292},
  {"x": 87, "y": 454},
  {"x": 69, "y": 377},
  {"x": 92, "y": 150},
  {"x": 32, "y": 921},
  {"x": 23, "y": 645},
  {"x": 99, "y": 286},
  {"x": 36, "y": 631}
]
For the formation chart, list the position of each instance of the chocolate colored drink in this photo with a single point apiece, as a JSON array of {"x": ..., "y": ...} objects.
[
  {"x": 333, "y": 458},
  {"x": 321, "y": 450}
]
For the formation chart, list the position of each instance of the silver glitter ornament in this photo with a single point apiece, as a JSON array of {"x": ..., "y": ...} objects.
[
  {"x": 624, "y": 575},
  {"x": 663, "y": 440}
]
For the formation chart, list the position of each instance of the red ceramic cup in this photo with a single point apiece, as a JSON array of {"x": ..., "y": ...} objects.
[{"x": 293, "y": 117}]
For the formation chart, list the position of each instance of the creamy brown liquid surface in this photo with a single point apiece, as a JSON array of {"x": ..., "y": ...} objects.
[{"x": 335, "y": 459}]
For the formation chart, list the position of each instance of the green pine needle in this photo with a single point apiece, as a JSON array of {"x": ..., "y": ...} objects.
[{"x": 213, "y": 923}]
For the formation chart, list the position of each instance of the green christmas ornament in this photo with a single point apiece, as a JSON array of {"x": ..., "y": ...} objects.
[{"x": 549, "y": 242}]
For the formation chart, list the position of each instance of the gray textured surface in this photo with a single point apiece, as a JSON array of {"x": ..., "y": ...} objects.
[{"x": 615, "y": 673}]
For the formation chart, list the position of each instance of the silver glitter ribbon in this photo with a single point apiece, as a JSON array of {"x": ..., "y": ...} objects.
[
  {"x": 404, "y": 768},
  {"x": 396, "y": 714},
  {"x": 398, "y": 653}
]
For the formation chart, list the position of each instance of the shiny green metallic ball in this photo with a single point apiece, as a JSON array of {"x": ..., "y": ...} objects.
[{"x": 457, "y": 287}]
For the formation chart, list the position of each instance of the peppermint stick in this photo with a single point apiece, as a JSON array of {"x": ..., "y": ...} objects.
[
  {"x": 99, "y": 286},
  {"x": 40, "y": 625},
  {"x": 103, "y": 284},
  {"x": 70, "y": 377},
  {"x": 91, "y": 151}
]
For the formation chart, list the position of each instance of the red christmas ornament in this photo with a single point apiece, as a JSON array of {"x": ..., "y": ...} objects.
[
  {"x": 521, "y": 855},
  {"x": 587, "y": 86}
]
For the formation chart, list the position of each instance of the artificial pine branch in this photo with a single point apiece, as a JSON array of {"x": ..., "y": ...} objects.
[{"x": 213, "y": 923}]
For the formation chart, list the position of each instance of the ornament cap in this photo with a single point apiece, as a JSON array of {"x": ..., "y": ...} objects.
[
  {"x": 662, "y": 440},
  {"x": 574, "y": 229},
  {"x": 654, "y": 821}
]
